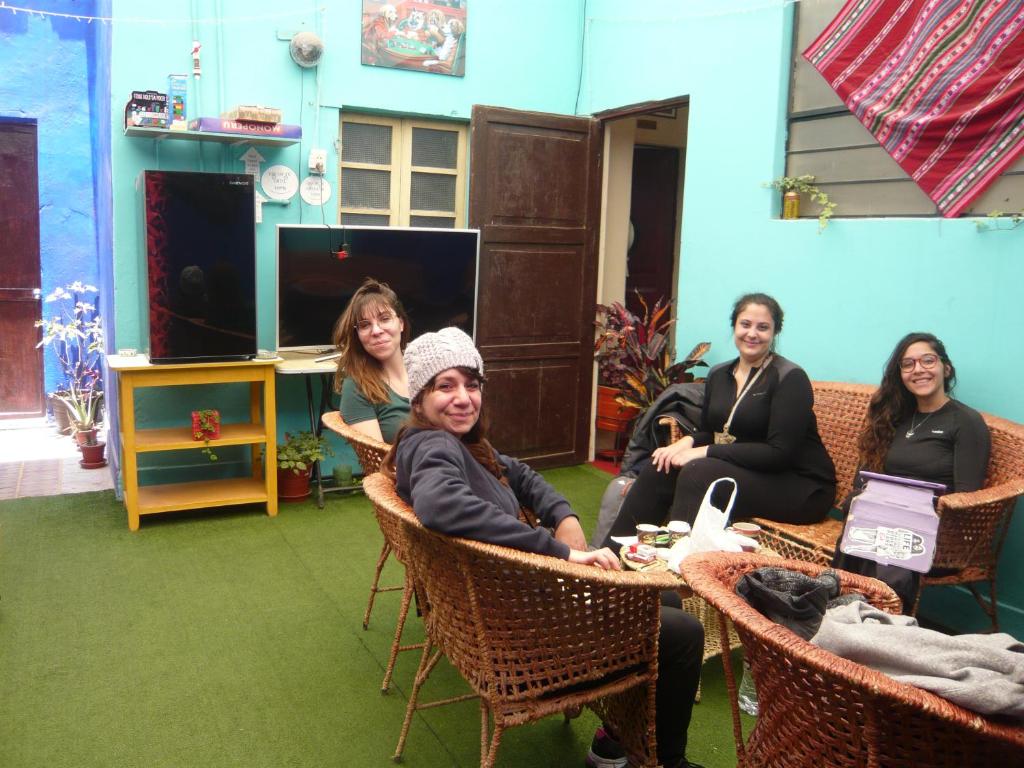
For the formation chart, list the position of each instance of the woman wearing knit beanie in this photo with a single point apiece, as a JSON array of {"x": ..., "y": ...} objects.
[{"x": 457, "y": 484}]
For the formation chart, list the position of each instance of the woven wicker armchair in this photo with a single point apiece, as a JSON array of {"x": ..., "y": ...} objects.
[
  {"x": 973, "y": 527},
  {"x": 371, "y": 453},
  {"x": 817, "y": 709},
  {"x": 532, "y": 635}
]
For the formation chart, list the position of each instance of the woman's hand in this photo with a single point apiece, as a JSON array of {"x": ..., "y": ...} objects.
[
  {"x": 665, "y": 458},
  {"x": 602, "y": 558}
]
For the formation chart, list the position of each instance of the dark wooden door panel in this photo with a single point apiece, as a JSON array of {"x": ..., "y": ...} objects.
[
  {"x": 535, "y": 196},
  {"x": 534, "y": 411},
  {"x": 518, "y": 310},
  {"x": 21, "y": 385}
]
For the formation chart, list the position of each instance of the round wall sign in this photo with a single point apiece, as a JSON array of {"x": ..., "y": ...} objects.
[
  {"x": 280, "y": 182},
  {"x": 315, "y": 190}
]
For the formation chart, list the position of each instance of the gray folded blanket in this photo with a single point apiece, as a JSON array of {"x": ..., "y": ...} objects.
[{"x": 983, "y": 673}]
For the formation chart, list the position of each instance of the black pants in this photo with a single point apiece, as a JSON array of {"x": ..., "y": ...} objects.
[
  {"x": 680, "y": 656},
  {"x": 676, "y": 495}
]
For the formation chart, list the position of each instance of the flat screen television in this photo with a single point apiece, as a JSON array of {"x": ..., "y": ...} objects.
[
  {"x": 433, "y": 271},
  {"x": 200, "y": 242}
]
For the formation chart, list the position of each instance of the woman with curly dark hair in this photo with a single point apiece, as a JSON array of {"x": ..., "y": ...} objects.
[{"x": 915, "y": 429}]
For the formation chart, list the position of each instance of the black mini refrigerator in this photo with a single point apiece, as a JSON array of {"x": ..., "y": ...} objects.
[{"x": 200, "y": 240}]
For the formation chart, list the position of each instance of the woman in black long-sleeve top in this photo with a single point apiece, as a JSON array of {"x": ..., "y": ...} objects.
[
  {"x": 757, "y": 427},
  {"x": 916, "y": 429}
]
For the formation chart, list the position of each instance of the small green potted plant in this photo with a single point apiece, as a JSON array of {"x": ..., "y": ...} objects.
[
  {"x": 792, "y": 187},
  {"x": 295, "y": 460},
  {"x": 206, "y": 427},
  {"x": 81, "y": 406}
]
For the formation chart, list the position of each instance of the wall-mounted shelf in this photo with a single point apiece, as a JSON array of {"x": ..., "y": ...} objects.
[{"x": 159, "y": 134}]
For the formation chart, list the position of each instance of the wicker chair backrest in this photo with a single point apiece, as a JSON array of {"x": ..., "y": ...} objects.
[
  {"x": 370, "y": 452},
  {"x": 534, "y": 634},
  {"x": 819, "y": 709},
  {"x": 841, "y": 410}
]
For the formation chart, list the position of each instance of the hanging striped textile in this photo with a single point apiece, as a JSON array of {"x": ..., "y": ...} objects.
[{"x": 939, "y": 83}]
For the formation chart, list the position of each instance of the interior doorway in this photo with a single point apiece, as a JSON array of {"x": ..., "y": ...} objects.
[
  {"x": 653, "y": 219},
  {"x": 642, "y": 207}
]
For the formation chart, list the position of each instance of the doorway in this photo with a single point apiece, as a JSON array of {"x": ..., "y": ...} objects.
[
  {"x": 653, "y": 219},
  {"x": 642, "y": 208},
  {"x": 21, "y": 388}
]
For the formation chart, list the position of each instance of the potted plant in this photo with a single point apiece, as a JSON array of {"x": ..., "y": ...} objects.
[
  {"x": 74, "y": 332},
  {"x": 792, "y": 187},
  {"x": 80, "y": 406},
  {"x": 634, "y": 362},
  {"x": 295, "y": 461},
  {"x": 206, "y": 427}
]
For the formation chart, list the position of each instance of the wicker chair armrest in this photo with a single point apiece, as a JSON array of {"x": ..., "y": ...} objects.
[
  {"x": 675, "y": 432},
  {"x": 545, "y": 564},
  {"x": 956, "y": 502}
]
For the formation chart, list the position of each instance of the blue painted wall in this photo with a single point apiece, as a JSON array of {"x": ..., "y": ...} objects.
[
  {"x": 849, "y": 293},
  {"x": 52, "y": 74},
  {"x": 511, "y": 61}
]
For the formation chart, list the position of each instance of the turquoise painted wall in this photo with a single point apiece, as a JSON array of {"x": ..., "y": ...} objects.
[
  {"x": 511, "y": 61},
  {"x": 51, "y": 67},
  {"x": 849, "y": 293}
]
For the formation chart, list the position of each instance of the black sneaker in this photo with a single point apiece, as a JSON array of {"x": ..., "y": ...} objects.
[{"x": 605, "y": 752}]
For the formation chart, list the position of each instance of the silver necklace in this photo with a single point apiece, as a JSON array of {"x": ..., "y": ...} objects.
[{"x": 914, "y": 427}]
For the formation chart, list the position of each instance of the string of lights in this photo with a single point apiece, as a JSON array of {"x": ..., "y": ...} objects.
[{"x": 212, "y": 20}]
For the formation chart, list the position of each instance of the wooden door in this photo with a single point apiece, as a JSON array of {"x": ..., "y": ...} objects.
[
  {"x": 21, "y": 363},
  {"x": 652, "y": 211},
  {"x": 535, "y": 195}
]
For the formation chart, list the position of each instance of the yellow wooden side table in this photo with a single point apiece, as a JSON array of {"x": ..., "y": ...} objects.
[{"x": 260, "y": 432}]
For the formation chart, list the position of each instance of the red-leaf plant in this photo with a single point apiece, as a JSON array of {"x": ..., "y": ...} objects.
[{"x": 633, "y": 354}]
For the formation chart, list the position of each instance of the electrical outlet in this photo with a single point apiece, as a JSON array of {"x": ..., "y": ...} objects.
[{"x": 318, "y": 161}]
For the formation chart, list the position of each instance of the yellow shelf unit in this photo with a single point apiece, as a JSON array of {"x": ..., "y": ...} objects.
[{"x": 260, "y": 432}]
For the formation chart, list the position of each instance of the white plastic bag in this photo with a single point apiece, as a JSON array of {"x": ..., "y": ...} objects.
[{"x": 708, "y": 533}]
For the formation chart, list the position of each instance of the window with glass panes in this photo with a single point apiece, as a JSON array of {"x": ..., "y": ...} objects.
[{"x": 402, "y": 172}]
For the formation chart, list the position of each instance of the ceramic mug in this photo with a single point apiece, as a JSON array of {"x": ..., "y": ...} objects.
[{"x": 647, "y": 534}]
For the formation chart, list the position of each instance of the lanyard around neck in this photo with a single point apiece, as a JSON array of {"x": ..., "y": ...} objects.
[{"x": 746, "y": 388}]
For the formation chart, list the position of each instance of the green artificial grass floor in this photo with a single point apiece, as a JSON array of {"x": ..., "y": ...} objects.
[{"x": 228, "y": 638}]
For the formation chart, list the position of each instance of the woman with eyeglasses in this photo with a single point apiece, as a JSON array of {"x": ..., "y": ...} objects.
[
  {"x": 915, "y": 429},
  {"x": 370, "y": 335}
]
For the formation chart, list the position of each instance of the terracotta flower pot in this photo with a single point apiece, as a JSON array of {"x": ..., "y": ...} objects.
[
  {"x": 85, "y": 437},
  {"x": 92, "y": 456},
  {"x": 610, "y": 415},
  {"x": 61, "y": 417},
  {"x": 293, "y": 485}
]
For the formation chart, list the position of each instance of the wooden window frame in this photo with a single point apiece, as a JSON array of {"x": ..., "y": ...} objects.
[{"x": 401, "y": 168}]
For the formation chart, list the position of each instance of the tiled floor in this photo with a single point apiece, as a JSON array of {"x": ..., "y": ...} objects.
[{"x": 37, "y": 461}]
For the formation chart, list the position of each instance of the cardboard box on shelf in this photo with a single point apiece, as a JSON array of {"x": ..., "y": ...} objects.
[{"x": 254, "y": 113}]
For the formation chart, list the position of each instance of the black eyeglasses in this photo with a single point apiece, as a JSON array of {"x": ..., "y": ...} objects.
[{"x": 927, "y": 362}]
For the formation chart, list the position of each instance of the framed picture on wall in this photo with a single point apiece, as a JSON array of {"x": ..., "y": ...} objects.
[{"x": 424, "y": 35}]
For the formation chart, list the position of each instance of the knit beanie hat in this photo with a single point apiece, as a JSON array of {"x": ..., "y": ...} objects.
[{"x": 429, "y": 354}]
